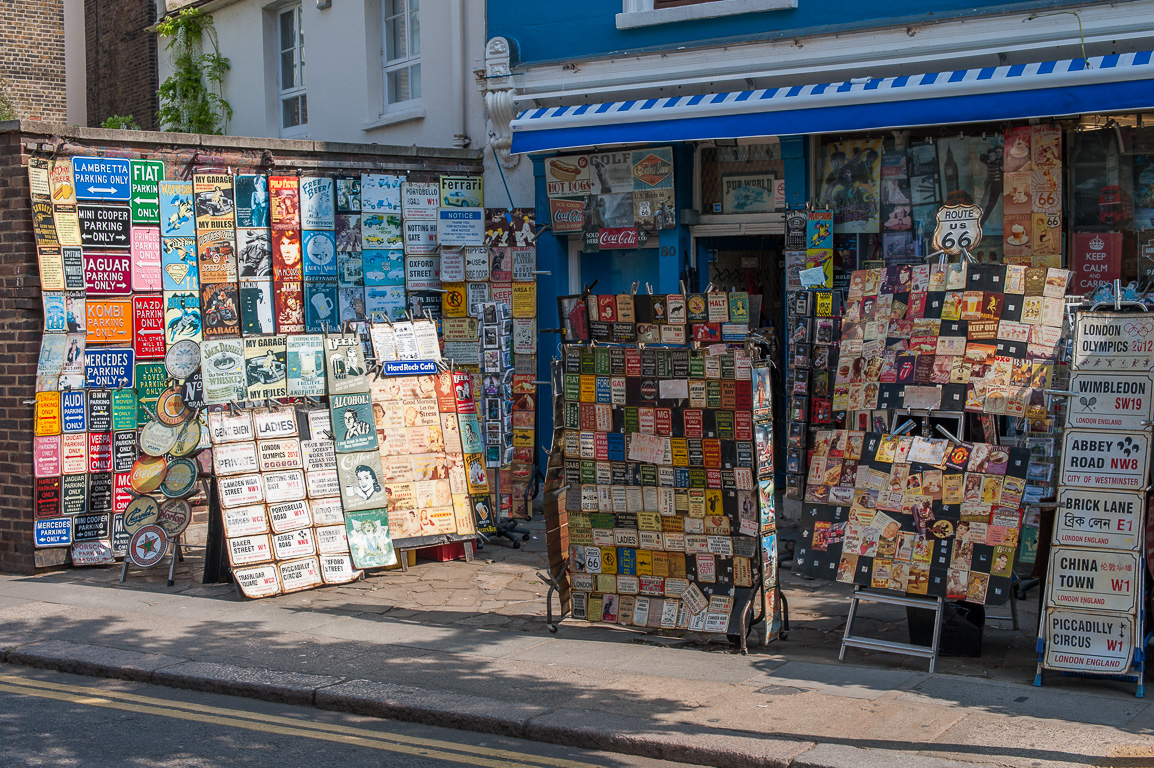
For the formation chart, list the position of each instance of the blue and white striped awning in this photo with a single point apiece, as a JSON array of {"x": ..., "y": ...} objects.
[{"x": 1041, "y": 89}]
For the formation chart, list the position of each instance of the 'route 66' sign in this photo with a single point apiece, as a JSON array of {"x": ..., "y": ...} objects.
[{"x": 959, "y": 229}]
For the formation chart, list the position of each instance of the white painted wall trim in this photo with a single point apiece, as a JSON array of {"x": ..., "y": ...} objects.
[{"x": 640, "y": 13}]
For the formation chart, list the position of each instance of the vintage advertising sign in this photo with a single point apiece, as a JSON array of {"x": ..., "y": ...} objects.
[
  {"x": 222, "y": 364},
  {"x": 108, "y": 274},
  {"x": 148, "y": 546},
  {"x": 103, "y": 226},
  {"x": 1101, "y": 519},
  {"x": 213, "y": 201},
  {"x": 258, "y": 581},
  {"x": 46, "y": 419},
  {"x": 101, "y": 178},
  {"x": 958, "y": 230},
  {"x": 1114, "y": 401},
  {"x": 148, "y": 326},
  {"x": 1112, "y": 342},
  {"x": 317, "y": 209},
  {"x": 1080, "y": 641},
  {"x": 1093, "y": 580},
  {"x": 174, "y": 517},
  {"x": 264, "y": 367},
  {"x": 568, "y": 176},
  {"x": 146, "y": 260},
  {"x": 52, "y": 532},
  {"x": 145, "y": 191},
  {"x": 1105, "y": 460}
]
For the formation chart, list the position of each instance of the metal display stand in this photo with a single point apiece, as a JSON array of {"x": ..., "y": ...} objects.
[{"x": 863, "y": 594}]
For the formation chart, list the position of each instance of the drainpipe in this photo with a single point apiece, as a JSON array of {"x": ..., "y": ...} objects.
[{"x": 460, "y": 136}]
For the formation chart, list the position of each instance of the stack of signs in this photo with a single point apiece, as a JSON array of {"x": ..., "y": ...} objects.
[
  {"x": 382, "y": 243},
  {"x": 284, "y": 533},
  {"x": 917, "y": 515},
  {"x": 350, "y": 268},
  {"x": 618, "y": 200},
  {"x": 658, "y": 456},
  {"x": 976, "y": 337},
  {"x": 1032, "y": 202},
  {"x": 214, "y": 206},
  {"x": 464, "y": 257},
  {"x": 418, "y": 438},
  {"x": 813, "y": 335},
  {"x": 419, "y": 206},
  {"x": 1094, "y": 580},
  {"x": 319, "y": 254},
  {"x": 766, "y": 512},
  {"x": 707, "y": 318},
  {"x": 254, "y": 255},
  {"x": 287, "y": 266}
]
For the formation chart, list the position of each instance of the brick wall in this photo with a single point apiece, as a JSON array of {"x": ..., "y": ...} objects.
[
  {"x": 121, "y": 61},
  {"x": 21, "y": 307},
  {"x": 32, "y": 57}
]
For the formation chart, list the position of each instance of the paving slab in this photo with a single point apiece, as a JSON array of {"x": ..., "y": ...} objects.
[{"x": 841, "y": 679}]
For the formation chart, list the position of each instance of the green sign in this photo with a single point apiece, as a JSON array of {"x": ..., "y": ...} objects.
[
  {"x": 146, "y": 178},
  {"x": 123, "y": 409},
  {"x": 151, "y": 380}
]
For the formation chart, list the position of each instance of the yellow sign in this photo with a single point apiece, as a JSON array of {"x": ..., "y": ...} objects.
[
  {"x": 453, "y": 300},
  {"x": 47, "y": 419}
]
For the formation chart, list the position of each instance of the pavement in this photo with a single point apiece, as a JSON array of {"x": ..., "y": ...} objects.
[{"x": 464, "y": 645}]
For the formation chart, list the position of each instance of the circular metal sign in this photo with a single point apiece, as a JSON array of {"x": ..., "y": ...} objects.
[
  {"x": 157, "y": 439},
  {"x": 147, "y": 474},
  {"x": 182, "y": 359},
  {"x": 170, "y": 407},
  {"x": 147, "y": 546},
  {"x": 175, "y": 515},
  {"x": 141, "y": 511},
  {"x": 187, "y": 439},
  {"x": 193, "y": 391},
  {"x": 180, "y": 480}
]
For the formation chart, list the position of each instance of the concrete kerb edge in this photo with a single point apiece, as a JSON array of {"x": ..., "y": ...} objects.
[{"x": 410, "y": 704}]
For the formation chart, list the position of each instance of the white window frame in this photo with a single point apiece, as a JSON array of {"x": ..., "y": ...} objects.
[
  {"x": 298, "y": 91},
  {"x": 640, "y": 13},
  {"x": 389, "y": 66}
]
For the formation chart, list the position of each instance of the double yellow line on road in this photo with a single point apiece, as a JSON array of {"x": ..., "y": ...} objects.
[{"x": 284, "y": 726}]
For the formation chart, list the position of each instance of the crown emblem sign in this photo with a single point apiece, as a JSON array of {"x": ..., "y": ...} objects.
[{"x": 1097, "y": 243}]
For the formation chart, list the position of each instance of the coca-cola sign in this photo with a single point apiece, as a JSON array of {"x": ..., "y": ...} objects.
[
  {"x": 567, "y": 215},
  {"x": 618, "y": 238}
]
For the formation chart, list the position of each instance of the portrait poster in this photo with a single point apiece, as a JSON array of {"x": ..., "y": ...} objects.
[{"x": 851, "y": 182}]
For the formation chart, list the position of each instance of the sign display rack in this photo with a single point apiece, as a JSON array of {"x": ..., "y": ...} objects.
[{"x": 1094, "y": 614}]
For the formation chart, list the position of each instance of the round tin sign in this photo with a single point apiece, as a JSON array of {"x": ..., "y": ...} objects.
[
  {"x": 182, "y": 359},
  {"x": 175, "y": 515},
  {"x": 193, "y": 391},
  {"x": 147, "y": 474},
  {"x": 187, "y": 439},
  {"x": 147, "y": 546},
  {"x": 170, "y": 407},
  {"x": 180, "y": 480},
  {"x": 157, "y": 439},
  {"x": 141, "y": 511}
]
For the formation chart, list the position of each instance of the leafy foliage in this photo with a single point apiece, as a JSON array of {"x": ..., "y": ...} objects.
[
  {"x": 8, "y": 109},
  {"x": 124, "y": 122},
  {"x": 192, "y": 97}
]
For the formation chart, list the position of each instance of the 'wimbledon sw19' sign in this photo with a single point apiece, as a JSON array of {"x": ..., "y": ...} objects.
[{"x": 1110, "y": 400}]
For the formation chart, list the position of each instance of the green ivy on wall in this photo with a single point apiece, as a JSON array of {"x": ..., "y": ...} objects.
[{"x": 192, "y": 97}]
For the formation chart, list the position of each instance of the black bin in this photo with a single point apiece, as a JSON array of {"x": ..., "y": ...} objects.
[{"x": 962, "y": 625}]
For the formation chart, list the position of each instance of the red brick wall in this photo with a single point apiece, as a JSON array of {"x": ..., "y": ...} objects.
[
  {"x": 21, "y": 307},
  {"x": 121, "y": 61},
  {"x": 32, "y": 57}
]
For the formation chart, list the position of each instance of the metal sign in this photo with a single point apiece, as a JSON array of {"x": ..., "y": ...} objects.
[
  {"x": 74, "y": 495},
  {"x": 109, "y": 321},
  {"x": 1111, "y": 342},
  {"x": 46, "y": 420},
  {"x": 148, "y": 546},
  {"x": 92, "y": 527},
  {"x": 300, "y": 574},
  {"x": 92, "y": 553},
  {"x": 280, "y": 454},
  {"x": 274, "y": 422},
  {"x": 54, "y": 532},
  {"x": 119, "y": 535},
  {"x": 108, "y": 368},
  {"x": 1101, "y": 519},
  {"x": 258, "y": 581},
  {"x": 104, "y": 226},
  {"x": 245, "y": 521},
  {"x": 284, "y": 486},
  {"x": 148, "y": 326},
  {"x": 1105, "y": 460},
  {"x": 182, "y": 359},
  {"x": 293, "y": 544},
  {"x": 123, "y": 451},
  {"x": 174, "y": 517},
  {"x": 228, "y": 428},
  {"x": 240, "y": 491},
  {"x": 124, "y": 409},
  {"x": 74, "y": 410},
  {"x": 959, "y": 229},
  {"x": 141, "y": 512},
  {"x": 146, "y": 176},
  {"x": 1093, "y": 580},
  {"x": 290, "y": 516},
  {"x": 245, "y": 550},
  {"x": 48, "y": 493},
  {"x": 1115, "y": 401},
  {"x": 148, "y": 473},
  {"x": 101, "y": 178},
  {"x": 180, "y": 479}
]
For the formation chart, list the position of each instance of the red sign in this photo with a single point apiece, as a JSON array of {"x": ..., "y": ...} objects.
[
  {"x": 148, "y": 325},
  {"x": 567, "y": 215},
  {"x": 121, "y": 493},
  {"x": 620, "y": 237},
  {"x": 108, "y": 274},
  {"x": 99, "y": 451},
  {"x": 1097, "y": 260}
]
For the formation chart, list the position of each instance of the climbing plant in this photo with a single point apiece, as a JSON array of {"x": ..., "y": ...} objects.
[
  {"x": 7, "y": 105},
  {"x": 125, "y": 122},
  {"x": 192, "y": 97}
]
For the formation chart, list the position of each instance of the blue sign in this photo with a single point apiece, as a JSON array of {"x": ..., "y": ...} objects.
[
  {"x": 54, "y": 532},
  {"x": 109, "y": 368},
  {"x": 73, "y": 411},
  {"x": 101, "y": 178},
  {"x": 409, "y": 367}
]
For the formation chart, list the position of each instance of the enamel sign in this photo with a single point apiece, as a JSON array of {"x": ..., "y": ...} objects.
[
  {"x": 1105, "y": 460},
  {"x": 101, "y": 178},
  {"x": 1093, "y": 580},
  {"x": 1080, "y": 641},
  {"x": 1101, "y": 519},
  {"x": 1115, "y": 401},
  {"x": 1113, "y": 343}
]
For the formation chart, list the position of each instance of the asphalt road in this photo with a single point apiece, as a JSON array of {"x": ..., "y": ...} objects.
[{"x": 59, "y": 720}]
